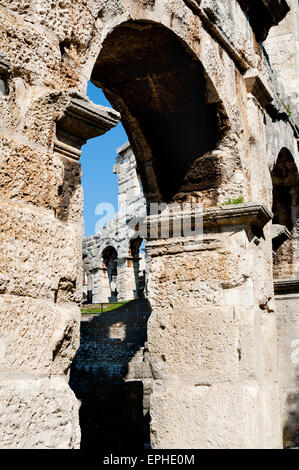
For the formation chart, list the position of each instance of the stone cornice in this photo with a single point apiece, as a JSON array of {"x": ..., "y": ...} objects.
[
  {"x": 81, "y": 121},
  {"x": 257, "y": 86},
  {"x": 215, "y": 17},
  {"x": 279, "y": 235},
  {"x": 210, "y": 21},
  {"x": 252, "y": 215},
  {"x": 123, "y": 148}
]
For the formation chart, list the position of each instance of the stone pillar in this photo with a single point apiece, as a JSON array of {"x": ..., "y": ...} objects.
[
  {"x": 136, "y": 269},
  {"x": 104, "y": 286},
  {"x": 287, "y": 304},
  {"x": 212, "y": 334},
  {"x": 126, "y": 283},
  {"x": 41, "y": 267},
  {"x": 89, "y": 288}
]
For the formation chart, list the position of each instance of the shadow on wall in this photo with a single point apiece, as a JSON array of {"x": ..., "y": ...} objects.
[
  {"x": 113, "y": 413},
  {"x": 291, "y": 427},
  {"x": 68, "y": 189},
  {"x": 170, "y": 109}
]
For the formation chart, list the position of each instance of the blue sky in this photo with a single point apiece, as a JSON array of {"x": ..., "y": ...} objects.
[{"x": 97, "y": 160}]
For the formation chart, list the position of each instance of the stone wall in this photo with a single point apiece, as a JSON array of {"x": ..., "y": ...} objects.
[
  {"x": 206, "y": 118},
  {"x": 287, "y": 304},
  {"x": 282, "y": 44}
]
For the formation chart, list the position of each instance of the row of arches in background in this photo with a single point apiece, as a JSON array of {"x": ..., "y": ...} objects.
[
  {"x": 116, "y": 278},
  {"x": 104, "y": 285}
]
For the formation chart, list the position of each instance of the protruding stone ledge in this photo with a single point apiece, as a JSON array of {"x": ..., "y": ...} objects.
[
  {"x": 279, "y": 235},
  {"x": 286, "y": 286},
  {"x": 251, "y": 215},
  {"x": 266, "y": 95},
  {"x": 81, "y": 121},
  {"x": 257, "y": 86}
]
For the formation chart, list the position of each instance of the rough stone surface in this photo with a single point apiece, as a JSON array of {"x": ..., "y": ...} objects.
[
  {"x": 39, "y": 413},
  {"x": 288, "y": 365},
  {"x": 211, "y": 118}
]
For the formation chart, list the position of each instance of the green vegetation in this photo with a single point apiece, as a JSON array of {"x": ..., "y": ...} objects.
[
  {"x": 287, "y": 106},
  {"x": 106, "y": 307},
  {"x": 230, "y": 201}
]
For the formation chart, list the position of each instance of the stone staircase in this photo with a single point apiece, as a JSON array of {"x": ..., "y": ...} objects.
[{"x": 111, "y": 373}]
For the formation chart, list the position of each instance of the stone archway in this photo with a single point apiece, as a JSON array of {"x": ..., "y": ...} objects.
[
  {"x": 211, "y": 341},
  {"x": 285, "y": 181},
  {"x": 169, "y": 109},
  {"x": 108, "y": 282},
  {"x": 137, "y": 267},
  {"x": 187, "y": 149},
  {"x": 285, "y": 207}
]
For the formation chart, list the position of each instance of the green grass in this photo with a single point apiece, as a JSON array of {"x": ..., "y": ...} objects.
[
  {"x": 106, "y": 307},
  {"x": 286, "y": 106},
  {"x": 230, "y": 201}
]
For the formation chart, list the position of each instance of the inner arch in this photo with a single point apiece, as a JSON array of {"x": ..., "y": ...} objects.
[{"x": 169, "y": 108}]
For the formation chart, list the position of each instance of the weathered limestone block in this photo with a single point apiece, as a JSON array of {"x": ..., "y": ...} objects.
[
  {"x": 223, "y": 416},
  {"x": 42, "y": 60},
  {"x": 29, "y": 174},
  {"x": 212, "y": 345},
  {"x": 220, "y": 342},
  {"x": 50, "y": 14},
  {"x": 65, "y": 339},
  {"x": 282, "y": 45},
  {"x": 284, "y": 262},
  {"x": 39, "y": 413},
  {"x": 37, "y": 336},
  {"x": 38, "y": 254}
]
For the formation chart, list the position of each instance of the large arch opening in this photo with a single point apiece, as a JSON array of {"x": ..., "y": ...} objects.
[
  {"x": 169, "y": 108},
  {"x": 285, "y": 237},
  {"x": 137, "y": 266},
  {"x": 109, "y": 274},
  {"x": 285, "y": 181},
  {"x": 174, "y": 120}
]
